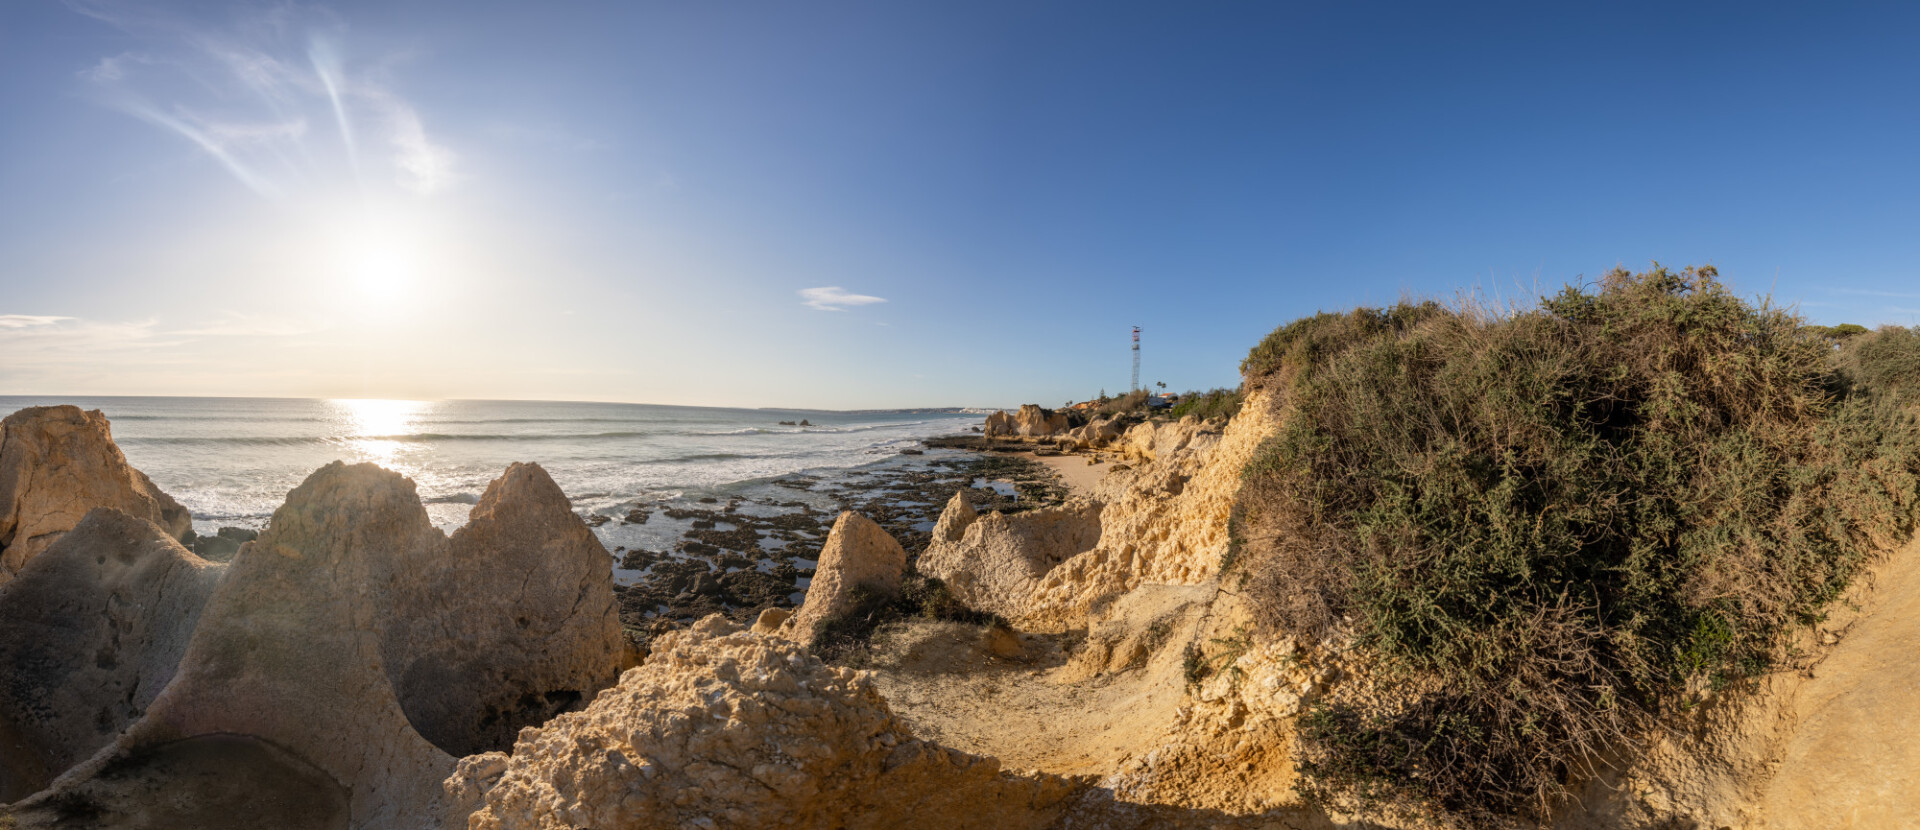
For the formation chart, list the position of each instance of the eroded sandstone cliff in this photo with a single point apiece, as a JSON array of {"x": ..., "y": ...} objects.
[
  {"x": 353, "y": 650},
  {"x": 56, "y": 464}
]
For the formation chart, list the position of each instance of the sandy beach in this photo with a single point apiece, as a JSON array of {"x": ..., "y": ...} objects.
[{"x": 1079, "y": 476}]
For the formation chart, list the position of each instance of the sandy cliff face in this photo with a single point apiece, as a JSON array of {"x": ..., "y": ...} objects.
[
  {"x": 57, "y": 463},
  {"x": 1166, "y": 518},
  {"x": 726, "y": 728},
  {"x": 1827, "y": 742}
]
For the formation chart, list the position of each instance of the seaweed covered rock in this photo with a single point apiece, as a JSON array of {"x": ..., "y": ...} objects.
[
  {"x": 858, "y": 554},
  {"x": 57, "y": 463},
  {"x": 724, "y": 728},
  {"x": 90, "y": 631}
]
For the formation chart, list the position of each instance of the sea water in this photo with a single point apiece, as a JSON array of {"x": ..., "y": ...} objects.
[{"x": 231, "y": 461}]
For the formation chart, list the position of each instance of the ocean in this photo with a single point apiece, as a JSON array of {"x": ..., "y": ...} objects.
[{"x": 231, "y": 461}]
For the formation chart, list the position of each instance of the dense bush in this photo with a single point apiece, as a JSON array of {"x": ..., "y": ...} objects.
[
  {"x": 1543, "y": 527},
  {"x": 1219, "y": 404},
  {"x": 1886, "y": 361},
  {"x": 1132, "y": 402}
]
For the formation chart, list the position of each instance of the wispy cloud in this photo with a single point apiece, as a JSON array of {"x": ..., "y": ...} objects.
[
  {"x": 835, "y": 298},
  {"x": 1868, "y": 292},
  {"x": 64, "y": 354},
  {"x": 248, "y": 91},
  {"x": 236, "y": 324},
  {"x": 21, "y": 321}
]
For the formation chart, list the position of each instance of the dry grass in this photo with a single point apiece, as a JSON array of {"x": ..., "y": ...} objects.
[{"x": 1545, "y": 524}]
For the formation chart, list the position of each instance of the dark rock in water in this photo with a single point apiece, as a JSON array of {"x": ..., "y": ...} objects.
[
  {"x": 216, "y": 548},
  {"x": 912, "y": 452},
  {"x": 753, "y": 589},
  {"x": 742, "y": 539},
  {"x": 788, "y": 424},
  {"x": 598, "y": 519},
  {"x": 639, "y": 560},
  {"x": 238, "y": 534},
  {"x": 708, "y": 500},
  {"x": 698, "y": 548},
  {"x": 638, "y": 516},
  {"x": 676, "y": 575},
  {"x": 804, "y": 423},
  {"x": 702, "y": 524}
]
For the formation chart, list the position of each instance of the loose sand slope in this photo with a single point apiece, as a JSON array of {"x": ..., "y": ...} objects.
[{"x": 1830, "y": 743}]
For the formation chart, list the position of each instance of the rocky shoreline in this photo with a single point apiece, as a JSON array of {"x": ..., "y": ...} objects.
[
  {"x": 747, "y": 553},
  {"x": 957, "y": 640}
]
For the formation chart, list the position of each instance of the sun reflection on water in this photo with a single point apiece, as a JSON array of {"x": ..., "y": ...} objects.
[{"x": 376, "y": 429}]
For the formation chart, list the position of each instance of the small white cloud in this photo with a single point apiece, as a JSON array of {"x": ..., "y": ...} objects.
[
  {"x": 21, "y": 321},
  {"x": 111, "y": 69},
  {"x": 835, "y": 298}
]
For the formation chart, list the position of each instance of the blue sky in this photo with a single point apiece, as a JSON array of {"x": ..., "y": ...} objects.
[{"x": 851, "y": 205}]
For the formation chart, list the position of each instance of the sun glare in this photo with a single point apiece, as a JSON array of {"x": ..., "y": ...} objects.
[
  {"x": 382, "y": 272},
  {"x": 378, "y": 429},
  {"x": 380, "y": 265}
]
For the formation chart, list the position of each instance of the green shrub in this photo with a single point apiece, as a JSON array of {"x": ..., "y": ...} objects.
[
  {"x": 1219, "y": 404},
  {"x": 1885, "y": 361},
  {"x": 1543, "y": 525},
  {"x": 1836, "y": 334},
  {"x": 1132, "y": 402}
]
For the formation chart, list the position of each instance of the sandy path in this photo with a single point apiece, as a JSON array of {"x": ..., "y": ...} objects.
[
  {"x": 1857, "y": 743},
  {"x": 1033, "y": 710}
]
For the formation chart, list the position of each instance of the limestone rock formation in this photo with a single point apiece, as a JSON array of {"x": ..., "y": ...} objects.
[
  {"x": 515, "y": 623},
  {"x": 1094, "y": 435},
  {"x": 1030, "y": 422},
  {"x": 353, "y": 643},
  {"x": 1033, "y": 422},
  {"x": 723, "y": 728},
  {"x": 857, "y": 553},
  {"x": 997, "y": 560},
  {"x": 1166, "y": 519},
  {"x": 955, "y": 519},
  {"x": 90, "y": 631},
  {"x": 57, "y": 463},
  {"x": 999, "y": 425}
]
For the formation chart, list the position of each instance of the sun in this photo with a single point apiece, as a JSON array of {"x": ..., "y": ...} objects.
[{"x": 381, "y": 269}]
